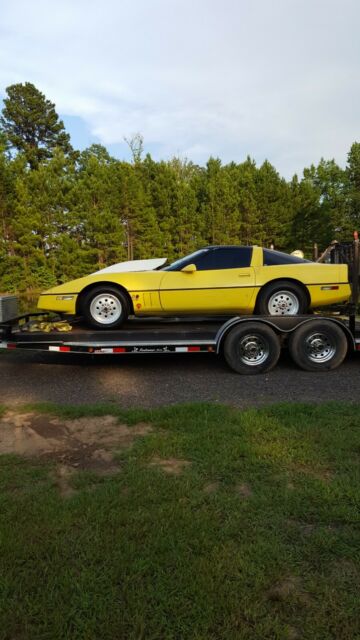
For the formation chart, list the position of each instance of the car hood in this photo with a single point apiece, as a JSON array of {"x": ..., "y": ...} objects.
[{"x": 133, "y": 265}]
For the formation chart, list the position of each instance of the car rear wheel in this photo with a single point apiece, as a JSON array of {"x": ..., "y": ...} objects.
[
  {"x": 105, "y": 308},
  {"x": 251, "y": 347},
  {"x": 282, "y": 299}
]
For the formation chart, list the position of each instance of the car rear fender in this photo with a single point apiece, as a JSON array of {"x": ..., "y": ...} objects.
[{"x": 289, "y": 280}]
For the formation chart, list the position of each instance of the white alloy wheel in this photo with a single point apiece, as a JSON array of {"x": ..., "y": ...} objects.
[
  {"x": 106, "y": 308},
  {"x": 283, "y": 303}
]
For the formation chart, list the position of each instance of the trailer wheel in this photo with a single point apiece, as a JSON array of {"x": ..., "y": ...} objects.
[
  {"x": 105, "y": 307},
  {"x": 251, "y": 348},
  {"x": 318, "y": 346}
]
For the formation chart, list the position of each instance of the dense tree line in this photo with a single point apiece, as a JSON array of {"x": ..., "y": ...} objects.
[{"x": 65, "y": 213}]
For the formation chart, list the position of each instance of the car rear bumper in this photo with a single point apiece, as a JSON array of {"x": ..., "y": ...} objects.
[{"x": 325, "y": 294}]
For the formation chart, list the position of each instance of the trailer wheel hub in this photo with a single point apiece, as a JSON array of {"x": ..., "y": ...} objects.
[
  {"x": 254, "y": 350},
  {"x": 320, "y": 347}
]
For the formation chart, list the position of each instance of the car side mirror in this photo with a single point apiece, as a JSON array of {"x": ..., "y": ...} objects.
[{"x": 190, "y": 268}]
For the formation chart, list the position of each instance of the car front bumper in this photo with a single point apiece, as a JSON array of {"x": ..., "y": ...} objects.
[{"x": 63, "y": 303}]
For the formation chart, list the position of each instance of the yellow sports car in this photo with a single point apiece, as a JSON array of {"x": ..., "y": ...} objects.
[{"x": 213, "y": 280}]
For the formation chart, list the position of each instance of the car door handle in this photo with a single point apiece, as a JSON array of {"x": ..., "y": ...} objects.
[{"x": 243, "y": 275}]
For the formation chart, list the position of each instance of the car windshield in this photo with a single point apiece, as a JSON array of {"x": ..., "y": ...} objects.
[{"x": 182, "y": 262}]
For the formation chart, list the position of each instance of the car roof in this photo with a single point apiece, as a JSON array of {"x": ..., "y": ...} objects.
[{"x": 229, "y": 246}]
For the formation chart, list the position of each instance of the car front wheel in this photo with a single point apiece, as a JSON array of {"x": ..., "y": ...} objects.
[
  {"x": 282, "y": 299},
  {"x": 105, "y": 308}
]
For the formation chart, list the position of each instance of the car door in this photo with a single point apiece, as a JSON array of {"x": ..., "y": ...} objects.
[{"x": 222, "y": 282}]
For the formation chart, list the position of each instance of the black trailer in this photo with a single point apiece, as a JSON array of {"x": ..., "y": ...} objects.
[{"x": 249, "y": 344}]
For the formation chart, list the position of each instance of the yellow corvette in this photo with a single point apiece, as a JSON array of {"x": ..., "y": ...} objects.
[{"x": 213, "y": 280}]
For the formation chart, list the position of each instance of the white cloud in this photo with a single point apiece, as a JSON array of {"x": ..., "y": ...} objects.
[{"x": 275, "y": 79}]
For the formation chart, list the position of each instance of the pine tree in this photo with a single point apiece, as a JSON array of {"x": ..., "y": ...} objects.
[
  {"x": 321, "y": 210},
  {"x": 137, "y": 213},
  {"x": 6, "y": 188},
  {"x": 306, "y": 206},
  {"x": 353, "y": 185},
  {"x": 95, "y": 223},
  {"x": 38, "y": 219},
  {"x": 31, "y": 124},
  {"x": 333, "y": 219},
  {"x": 273, "y": 199},
  {"x": 189, "y": 229},
  {"x": 221, "y": 204},
  {"x": 251, "y": 231}
]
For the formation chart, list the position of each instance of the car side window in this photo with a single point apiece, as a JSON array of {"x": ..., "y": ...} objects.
[
  {"x": 273, "y": 258},
  {"x": 224, "y": 258}
]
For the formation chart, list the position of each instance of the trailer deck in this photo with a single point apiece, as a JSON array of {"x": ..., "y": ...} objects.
[
  {"x": 137, "y": 335},
  {"x": 250, "y": 344}
]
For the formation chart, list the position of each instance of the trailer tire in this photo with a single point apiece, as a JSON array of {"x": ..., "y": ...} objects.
[
  {"x": 103, "y": 303},
  {"x": 319, "y": 345},
  {"x": 251, "y": 348}
]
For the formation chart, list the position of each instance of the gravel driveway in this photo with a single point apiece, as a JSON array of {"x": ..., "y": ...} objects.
[{"x": 146, "y": 381}]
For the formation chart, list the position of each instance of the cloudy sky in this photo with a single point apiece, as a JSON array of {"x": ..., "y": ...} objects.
[{"x": 276, "y": 79}]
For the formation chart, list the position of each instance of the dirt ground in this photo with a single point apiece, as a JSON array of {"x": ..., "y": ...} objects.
[
  {"x": 83, "y": 444},
  {"x": 80, "y": 444}
]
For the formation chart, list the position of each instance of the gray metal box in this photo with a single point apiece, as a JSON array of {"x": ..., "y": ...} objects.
[{"x": 9, "y": 308}]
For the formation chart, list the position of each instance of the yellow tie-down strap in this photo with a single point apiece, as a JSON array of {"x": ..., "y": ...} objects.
[{"x": 46, "y": 327}]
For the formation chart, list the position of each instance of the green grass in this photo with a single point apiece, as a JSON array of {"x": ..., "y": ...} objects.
[{"x": 270, "y": 550}]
